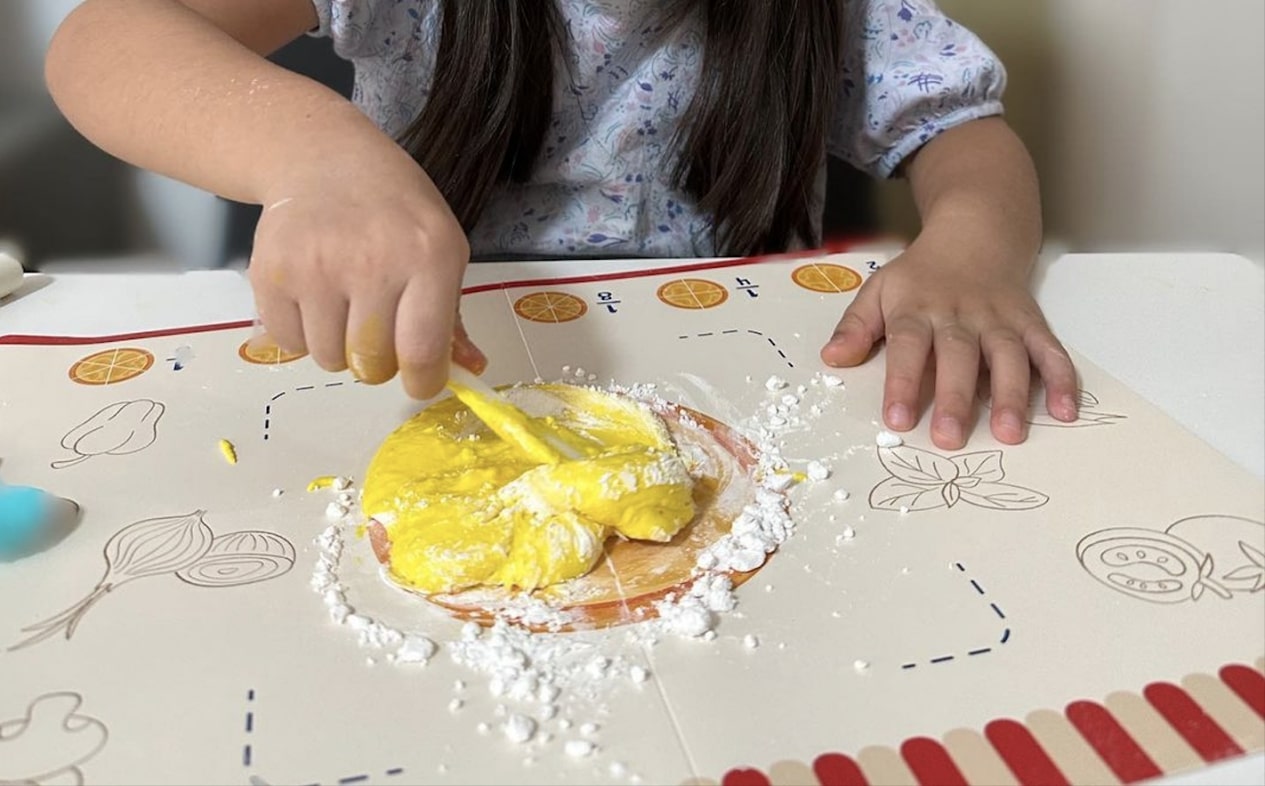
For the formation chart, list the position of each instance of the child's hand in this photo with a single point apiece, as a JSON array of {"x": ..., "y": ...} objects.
[
  {"x": 929, "y": 309},
  {"x": 362, "y": 267}
]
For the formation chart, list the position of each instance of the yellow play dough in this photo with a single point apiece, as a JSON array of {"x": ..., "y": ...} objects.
[{"x": 463, "y": 508}]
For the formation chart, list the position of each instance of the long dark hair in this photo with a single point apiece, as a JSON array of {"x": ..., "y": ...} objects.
[{"x": 751, "y": 143}]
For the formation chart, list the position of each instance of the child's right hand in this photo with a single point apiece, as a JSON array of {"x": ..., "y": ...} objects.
[{"x": 360, "y": 264}]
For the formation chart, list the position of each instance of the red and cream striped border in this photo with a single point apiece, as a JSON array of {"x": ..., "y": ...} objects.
[{"x": 1125, "y": 738}]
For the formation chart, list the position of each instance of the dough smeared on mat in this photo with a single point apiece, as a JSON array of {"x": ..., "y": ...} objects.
[{"x": 462, "y": 508}]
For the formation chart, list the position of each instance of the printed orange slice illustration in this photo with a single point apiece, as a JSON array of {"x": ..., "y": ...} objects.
[
  {"x": 693, "y": 293},
  {"x": 825, "y": 277},
  {"x": 552, "y": 307},
  {"x": 111, "y": 365},
  {"x": 263, "y": 351}
]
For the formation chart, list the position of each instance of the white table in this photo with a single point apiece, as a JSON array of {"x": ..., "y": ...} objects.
[{"x": 1186, "y": 331}]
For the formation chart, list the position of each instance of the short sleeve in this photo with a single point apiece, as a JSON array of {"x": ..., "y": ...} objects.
[
  {"x": 909, "y": 73},
  {"x": 368, "y": 28}
]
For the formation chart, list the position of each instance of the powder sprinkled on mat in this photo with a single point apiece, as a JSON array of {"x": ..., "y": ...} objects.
[{"x": 547, "y": 686}]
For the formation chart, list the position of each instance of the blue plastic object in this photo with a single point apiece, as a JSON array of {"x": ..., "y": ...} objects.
[{"x": 25, "y": 519}]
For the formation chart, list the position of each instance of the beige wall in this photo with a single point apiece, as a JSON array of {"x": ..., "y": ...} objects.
[{"x": 1146, "y": 118}]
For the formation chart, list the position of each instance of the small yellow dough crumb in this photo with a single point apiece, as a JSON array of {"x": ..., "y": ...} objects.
[
  {"x": 464, "y": 508},
  {"x": 228, "y": 451},
  {"x": 323, "y": 482}
]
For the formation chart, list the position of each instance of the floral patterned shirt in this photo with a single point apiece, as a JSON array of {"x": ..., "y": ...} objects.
[{"x": 603, "y": 184}]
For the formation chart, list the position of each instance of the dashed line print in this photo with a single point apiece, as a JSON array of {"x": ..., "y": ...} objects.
[
  {"x": 733, "y": 331},
  {"x": 1005, "y": 634}
]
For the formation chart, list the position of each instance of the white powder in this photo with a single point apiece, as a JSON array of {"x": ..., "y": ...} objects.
[
  {"x": 817, "y": 471},
  {"x": 341, "y": 483},
  {"x": 277, "y": 492},
  {"x": 416, "y": 649},
  {"x": 688, "y": 617},
  {"x": 335, "y": 511},
  {"x": 519, "y": 728},
  {"x": 887, "y": 439},
  {"x": 841, "y": 495},
  {"x": 848, "y": 533},
  {"x": 538, "y": 676},
  {"x": 579, "y": 749},
  {"x": 831, "y": 381},
  {"x": 860, "y": 665}
]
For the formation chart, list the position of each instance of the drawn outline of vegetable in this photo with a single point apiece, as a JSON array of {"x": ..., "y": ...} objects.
[
  {"x": 240, "y": 558},
  {"x": 153, "y": 547},
  {"x": 121, "y": 429},
  {"x": 184, "y": 546},
  {"x": 1087, "y": 411},
  {"x": 923, "y": 480},
  {"x": 1156, "y": 566},
  {"x": 49, "y": 714},
  {"x": 1254, "y": 571}
]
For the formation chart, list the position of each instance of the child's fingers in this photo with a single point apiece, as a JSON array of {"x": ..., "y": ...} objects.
[
  {"x": 371, "y": 336},
  {"x": 276, "y": 309},
  {"x": 282, "y": 323},
  {"x": 325, "y": 329},
  {"x": 957, "y": 376},
  {"x": 909, "y": 342},
  {"x": 424, "y": 334},
  {"x": 857, "y": 332},
  {"x": 1010, "y": 377},
  {"x": 464, "y": 351},
  {"x": 1058, "y": 373}
]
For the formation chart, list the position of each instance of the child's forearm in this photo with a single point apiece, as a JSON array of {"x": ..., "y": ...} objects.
[
  {"x": 976, "y": 191},
  {"x": 167, "y": 89}
]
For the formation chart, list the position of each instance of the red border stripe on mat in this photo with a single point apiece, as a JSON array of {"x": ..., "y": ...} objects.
[
  {"x": 1022, "y": 753},
  {"x": 744, "y": 777},
  {"x": 1112, "y": 742},
  {"x": 75, "y": 340},
  {"x": 836, "y": 769},
  {"x": 931, "y": 763},
  {"x": 1247, "y": 683},
  {"x": 1189, "y": 720}
]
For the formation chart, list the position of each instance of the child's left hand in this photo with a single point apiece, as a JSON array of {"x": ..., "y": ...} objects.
[{"x": 946, "y": 316}]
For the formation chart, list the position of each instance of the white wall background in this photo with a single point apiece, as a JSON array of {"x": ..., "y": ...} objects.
[
  {"x": 167, "y": 217},
  {"x": 1146, "y": 118}
]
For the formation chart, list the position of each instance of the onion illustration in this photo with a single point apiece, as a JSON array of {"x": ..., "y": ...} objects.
[
  {"x": 239, "y": 558},
  {"x": 153, "y": 547}
]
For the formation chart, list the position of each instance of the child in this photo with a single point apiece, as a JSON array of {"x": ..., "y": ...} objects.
[{"x": 554, "y": 128}]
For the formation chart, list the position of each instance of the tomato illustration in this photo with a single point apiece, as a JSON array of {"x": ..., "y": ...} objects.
[{"x": 1145, "y": 564}]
